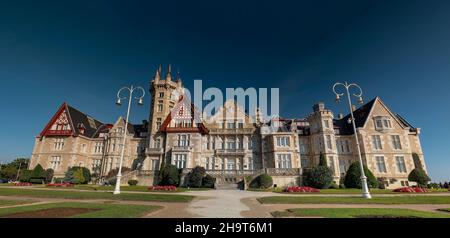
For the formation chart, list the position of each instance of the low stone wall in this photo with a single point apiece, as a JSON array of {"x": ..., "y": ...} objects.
[{"x": 284, "y": 181}]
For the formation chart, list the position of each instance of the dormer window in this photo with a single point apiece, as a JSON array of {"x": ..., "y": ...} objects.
[{"x": 383, "y": 123}]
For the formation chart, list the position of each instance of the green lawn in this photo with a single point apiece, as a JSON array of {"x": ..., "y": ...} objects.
[
  {"x": 124, "y": 188},
  {"x": 350, "y": 191},
  {"x": 356, "y": 200},
  {"x": 4, "y": 203},
  {"x": 72, "y": 194},
  {"x": 104, "y": 210},
  {"x": 357, "y": 213}
]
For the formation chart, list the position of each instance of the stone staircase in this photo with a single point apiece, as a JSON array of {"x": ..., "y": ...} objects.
[{"x": 229, "y": 183}]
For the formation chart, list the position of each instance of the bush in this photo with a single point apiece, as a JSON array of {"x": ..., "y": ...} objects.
[
  {"x": 263, "y": 181},
  {"x": 132, "y": 182},
  {"x": 59, "y": 180},
  {"x": 319, "y": 177},
  {"x": 334, "y": 185},
  {"x": 78, "y": 175},
  {"x": 208, "y": 181},
  {"x": 353, "y": 177},
  {"x": 195, "y": 177},
  {"x": 419, "y": 176},
  {"x": 170, "y": 176},
  {"x": 417, "y": 162}
]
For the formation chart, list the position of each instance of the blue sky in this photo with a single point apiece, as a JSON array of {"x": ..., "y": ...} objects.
[{"x": 81, "y": 52}]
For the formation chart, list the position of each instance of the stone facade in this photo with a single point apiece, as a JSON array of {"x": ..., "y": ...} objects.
[{"x": 229, "y": 144}]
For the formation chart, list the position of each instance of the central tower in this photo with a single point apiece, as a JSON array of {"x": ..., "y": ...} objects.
[{"x": 164, "y": 94}]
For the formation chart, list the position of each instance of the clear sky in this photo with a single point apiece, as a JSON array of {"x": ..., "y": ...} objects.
[{"x": 81, "y": 52}]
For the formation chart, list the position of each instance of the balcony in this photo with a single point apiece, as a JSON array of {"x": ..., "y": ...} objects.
[
  {"x": 154, "y": 151},
  {"x": 230, "y": 152},
  {"x": 182, "y": 148},
  {"x": 283, "y": 172}
]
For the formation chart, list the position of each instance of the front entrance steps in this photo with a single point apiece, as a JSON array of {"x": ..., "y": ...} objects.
[{"x": 229, "y": 183}]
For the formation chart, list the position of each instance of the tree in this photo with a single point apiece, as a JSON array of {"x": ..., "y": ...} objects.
[
  {"x": 353, "y": 177},
  {"x": 319, "y": 177},
  {"x": 322, "y": 160},
  {"x": 49, "y": 175},
  {"x": 170, "y": 175},
  {"x": 419, "y": 176},
  {"x": 196, "y": 176},
  {"x": 25, "y": 175},
  {"x": 417, "y": 162}
]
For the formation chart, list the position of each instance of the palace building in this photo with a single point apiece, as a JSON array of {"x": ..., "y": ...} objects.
[{"x": 229, "y": 144}]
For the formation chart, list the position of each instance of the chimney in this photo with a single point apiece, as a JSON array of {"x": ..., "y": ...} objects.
[
  {"x": 320, "y": 106},
  {"x": 353, "y": 108},
  {"x": 340, "y": 116},
  {"x": 81, "y": 128}
]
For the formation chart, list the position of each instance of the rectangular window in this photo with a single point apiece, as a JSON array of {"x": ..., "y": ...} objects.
[
  {"x": 96, "y": 164},
  {"x": 304, "y": 162},
  {"x": 180, "y": 160},
  {"x": 183, "y": 140},
  {"x": 284, "y": 161},
  {"x": 331, "y": 163},
  {"x": 161, "y": 95},
  {"x": 329, "y": 145},
  {"x": 342, "y": 166},
  {"x": 98, "y": 147},
  {"x": 376, "y": 140},
  {"x": 283, "y": 141},
  {"x": 303, "y": 148},
  {"x": 396, "y": 143},
  {"x": 231, "y": 144},
  {"x": 158, "y": 142},
  {"x": 400, "y": 162},
  {"x": 55, "y": 162},
  {"x": 230, "y": 125},
  {"x": 155, "y": 164},
  {"x": 83, "y": 148},
  {"x": 381, "y": 165},
  {"x": 250, "y": 163},
  {"x": 327, "y": 124},
  {"x": 58, "y": 144}
]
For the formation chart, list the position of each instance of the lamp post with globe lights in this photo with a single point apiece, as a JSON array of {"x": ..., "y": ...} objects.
[
  {"x": 119, "y": 103},
  {"x": 347, "y": 86}
]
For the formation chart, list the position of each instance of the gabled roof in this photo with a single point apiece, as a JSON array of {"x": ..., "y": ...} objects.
[
  {"x": 193, "y": 114},
  {"x": 77, "y": 121},
  {"x": 361, "y": 115}
]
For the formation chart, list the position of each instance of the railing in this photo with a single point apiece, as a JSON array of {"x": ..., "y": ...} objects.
[
  {"x": 230, "y": 151},
  {"x": 182, "y": 148},
  {"x": 154, "y": 150},
  {"x": 285, "y": 172},
  {"x": 227, "y": 131},
  {"x": 147, "y": 172},
  {"x": 233, "y": 172}
]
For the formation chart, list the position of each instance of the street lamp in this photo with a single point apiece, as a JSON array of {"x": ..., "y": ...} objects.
[
  {"x": 365, "y": 188},
  {"x": 119, "y": 103}
]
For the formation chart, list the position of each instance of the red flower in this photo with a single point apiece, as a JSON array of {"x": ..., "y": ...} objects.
[
  {"x": 297, "y": 189},
  {"x": 411, "y": 190}
]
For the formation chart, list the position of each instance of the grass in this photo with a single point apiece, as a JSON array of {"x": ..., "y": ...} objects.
[
  {"x": 358, "y": 191},
  {"x": 125, "y": 188},
  {"x": 356, "y": 200},
  {"x": 105, "y": 210},
  {"x": 357, "y": 213},
  {"x": 5, "y": 203},
  {"x": 444, "y": 210},
  {"x": 72, "y": 194}
]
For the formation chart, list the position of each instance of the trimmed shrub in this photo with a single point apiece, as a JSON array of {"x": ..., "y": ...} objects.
[
  {"x": 38, "y": 172},
  {"x": 319, "y": 177},
  {"x": 195, "y": 177},
  {"x": 334, "y": 185},
  {"x": 78, "y": 175},
  {"x": 353, "y": 177},
  {"x": 263, "y": 181},
  {"x": 37, "y": 181},
  {"x": 419, "y": 176},
  {"x": 132, "y": 182},
  {"x": 170, "y": 175},
  {"x": 208, "y": 181}
]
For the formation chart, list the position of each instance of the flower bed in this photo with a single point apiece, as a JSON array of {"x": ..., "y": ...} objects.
[
  {"x": 60, "y": 185},
  {"x": 411, "y": 190},
  {"x": 297, "y": 189},
  {"x": 23, "y": 184},
  {"x": 162, "y": 188}
]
